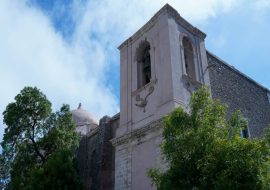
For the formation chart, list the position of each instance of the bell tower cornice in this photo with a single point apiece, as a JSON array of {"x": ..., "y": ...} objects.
[{"x": 166, "y": 9}]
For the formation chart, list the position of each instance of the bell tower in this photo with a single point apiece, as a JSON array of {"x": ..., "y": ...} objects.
[{"x": 161, "y": 65}]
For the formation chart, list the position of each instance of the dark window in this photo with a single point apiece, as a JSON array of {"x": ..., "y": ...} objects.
[
  {"x": 244, "y": 133},
  {"x": 189, "y": 58},
  {"x": 144, "y": 64}
]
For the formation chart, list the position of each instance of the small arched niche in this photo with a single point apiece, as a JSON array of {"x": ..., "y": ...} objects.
[
  {"x": 189, "y": 58},
  {"x": 143, "y": 59}
]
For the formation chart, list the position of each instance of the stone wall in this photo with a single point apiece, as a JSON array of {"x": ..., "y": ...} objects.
[
  {"x": 240, "y": 92},
  {"x": 96, "y": 156},
  {"x": 107, "y": 152},
  {"x": 135, "y": 153},
  {"x": 86, "y": 160}
]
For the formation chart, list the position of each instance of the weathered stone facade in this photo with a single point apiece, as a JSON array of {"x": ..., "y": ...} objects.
[
  {"x": 96, "y": 155},
  {"x": 140, "y": 145},
  {"x": 240, "y": 92},
  {"x": 118, "y": 153}
]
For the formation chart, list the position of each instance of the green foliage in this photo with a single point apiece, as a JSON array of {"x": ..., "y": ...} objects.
[
  {"x": 35, "y": 141},
  {"x": 57, "y": 173},
  {"x": 205, "y": 151}
]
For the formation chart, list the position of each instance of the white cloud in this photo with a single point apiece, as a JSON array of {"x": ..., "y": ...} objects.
[
  {"x": 33, "y": 53},
  {"x": 122, "y": 17},
  {"x": 201, "y": 10}
]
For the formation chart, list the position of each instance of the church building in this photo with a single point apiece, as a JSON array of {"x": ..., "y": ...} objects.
[{"x": 161, "y": 65}]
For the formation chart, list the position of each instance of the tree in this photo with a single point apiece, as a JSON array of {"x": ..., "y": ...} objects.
[
  {"x": 205, "y": 151},
  {"x": 36, "y": 142}
]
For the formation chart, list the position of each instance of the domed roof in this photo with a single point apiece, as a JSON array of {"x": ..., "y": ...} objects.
[{"x": 82, "y": 117}]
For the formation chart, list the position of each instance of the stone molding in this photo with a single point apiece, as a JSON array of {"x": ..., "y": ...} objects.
[
  {"x": 181, "y": 21},
  {"x": 139, "y": 90},
  {"x": 174, "y": 14},
  {"x": 137, "y": 133}
]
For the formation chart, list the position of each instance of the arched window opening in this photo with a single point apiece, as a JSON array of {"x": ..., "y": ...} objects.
[
  {"x": 144, "y": 64},
  {"x": 189, "y": 58},
  {"x": 244, "y": 132}
]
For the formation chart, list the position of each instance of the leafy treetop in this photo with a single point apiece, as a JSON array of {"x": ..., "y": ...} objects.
[
  {"x": 205, "y": 151},
  {"x": 35, "y": 139}
]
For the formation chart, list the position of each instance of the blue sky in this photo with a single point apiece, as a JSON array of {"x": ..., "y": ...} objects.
[{"x": 68, "y": 48}]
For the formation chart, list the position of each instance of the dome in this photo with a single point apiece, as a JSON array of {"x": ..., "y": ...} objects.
[{"x": 82, "y": 117}]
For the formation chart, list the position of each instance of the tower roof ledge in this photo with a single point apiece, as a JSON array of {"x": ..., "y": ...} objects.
[{"x": 172, "y": 12}]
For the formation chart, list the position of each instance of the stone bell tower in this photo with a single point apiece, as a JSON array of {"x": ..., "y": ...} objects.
[{"x": 161, "y": 65}]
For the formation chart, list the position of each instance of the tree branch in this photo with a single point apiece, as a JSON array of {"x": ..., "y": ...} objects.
[
  {"x": 32, "y": 138},
  {"x": 37, "y": 151}
]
